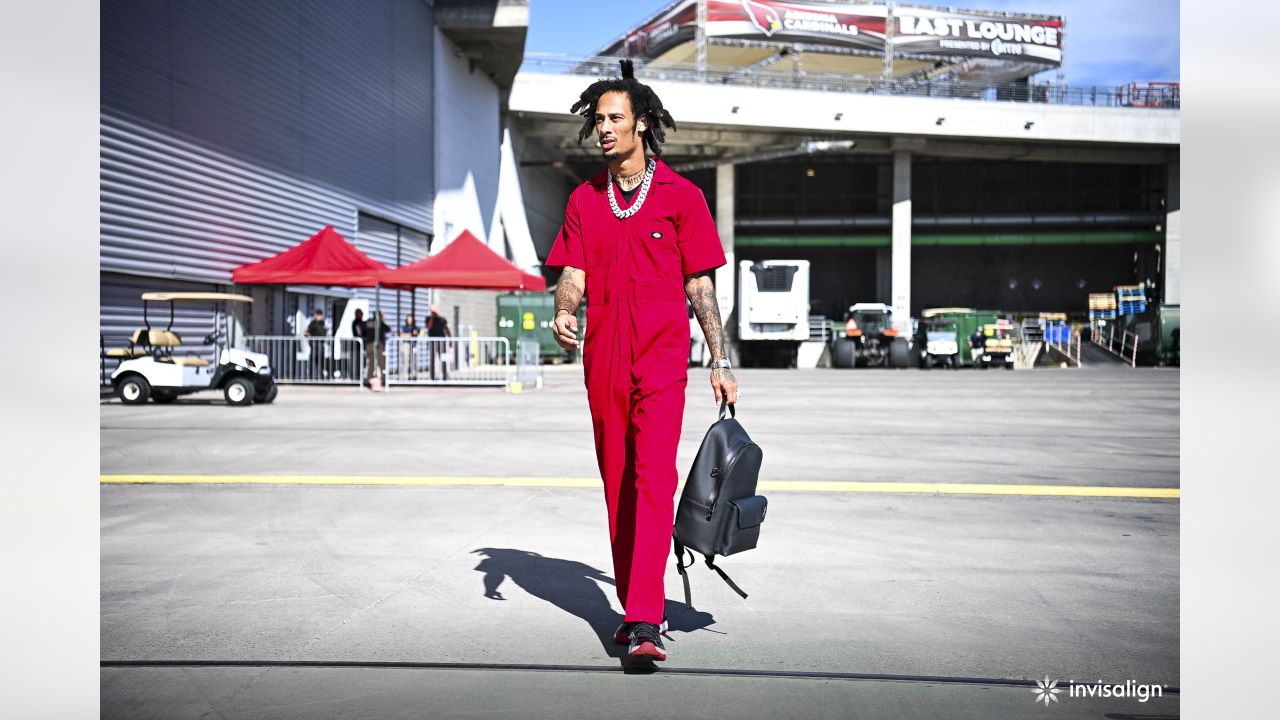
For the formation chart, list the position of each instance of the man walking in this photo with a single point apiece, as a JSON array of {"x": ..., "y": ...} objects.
[
  {"x": 637, "y": 240},
  {"x": 438, "y": 349}
]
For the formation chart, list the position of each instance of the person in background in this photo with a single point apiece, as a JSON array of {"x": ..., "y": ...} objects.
[
  {"x": 409, "y": 348},
  {"x": 438, "y": 327},
  {"x": 977, "y": 341},
  {"x": 317, "y": 331},
  {"x": 357, "y": 332},
  {"x": 357, "y": 324},
  {"x": 375, "y": 345}
]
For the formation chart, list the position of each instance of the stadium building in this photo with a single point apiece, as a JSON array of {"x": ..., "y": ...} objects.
[
  {"x": 916, "y": 156},
  {"x": 233, "y": 131}
]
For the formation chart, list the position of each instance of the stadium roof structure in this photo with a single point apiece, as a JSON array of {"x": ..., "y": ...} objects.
[{"x": 737, "y": 38}]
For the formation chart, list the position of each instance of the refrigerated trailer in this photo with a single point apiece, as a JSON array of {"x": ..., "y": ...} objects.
[{"x": 773, "y": 309}]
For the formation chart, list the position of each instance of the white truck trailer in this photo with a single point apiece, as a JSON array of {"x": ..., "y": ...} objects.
[{"x": 773, "y": 310}]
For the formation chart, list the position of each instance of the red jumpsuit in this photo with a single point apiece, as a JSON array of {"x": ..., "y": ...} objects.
[{"x": 635, "y": 357}]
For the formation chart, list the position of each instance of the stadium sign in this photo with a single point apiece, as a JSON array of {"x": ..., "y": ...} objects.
[
  {"x": 677, "y": 25},
  {"x": 928, "y": 31},
  {"x": 916, "y": 30},
  {"x": 839, "y": 24}
]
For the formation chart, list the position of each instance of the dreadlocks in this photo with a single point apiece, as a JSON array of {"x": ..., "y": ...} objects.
[{"x": 645, "y": 103}]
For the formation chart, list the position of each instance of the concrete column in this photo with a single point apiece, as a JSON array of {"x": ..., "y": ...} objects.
[
  {"x": 1172, "y": 294},
  {"x": 726, "y": 277},
  {"x": 700, "y": 40},
  {"x": 901, "y": 223}
]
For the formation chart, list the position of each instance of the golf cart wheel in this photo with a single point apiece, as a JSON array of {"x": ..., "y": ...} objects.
[
  {"x": 133, "y": 390},
  {"x": 271, "y": 394},
  {"x": 238, "y": 391}
]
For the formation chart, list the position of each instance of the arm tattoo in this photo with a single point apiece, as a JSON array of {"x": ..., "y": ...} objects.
[
  {"x": 701, "y": 292},
  {"x": 569, "y": 290}
]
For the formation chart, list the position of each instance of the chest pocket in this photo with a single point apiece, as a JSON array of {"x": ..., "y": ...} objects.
[{"x": 655, "y": 241}]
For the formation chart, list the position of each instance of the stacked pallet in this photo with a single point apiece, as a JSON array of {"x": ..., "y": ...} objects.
[
  {"x": 1102, "y": 306},
  {"x": 1132, "y": 299}
]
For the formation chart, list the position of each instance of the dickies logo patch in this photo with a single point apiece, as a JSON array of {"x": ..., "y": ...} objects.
[{"x": 655, "y": 235}]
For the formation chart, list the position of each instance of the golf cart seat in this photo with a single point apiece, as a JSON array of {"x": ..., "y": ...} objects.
[
  {"x": 156, "y": 338},
  {"x": 164, "y": 341},
  {"x": 126, "y": 353}
]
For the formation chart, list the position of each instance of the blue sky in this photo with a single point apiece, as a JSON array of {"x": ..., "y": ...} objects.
[{"x": 1108, "y": 42}]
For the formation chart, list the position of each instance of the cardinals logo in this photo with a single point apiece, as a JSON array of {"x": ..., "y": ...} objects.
[{"x": 763, "y": 17}]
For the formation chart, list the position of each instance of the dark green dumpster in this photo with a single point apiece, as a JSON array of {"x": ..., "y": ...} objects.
[{"x": 529, "y": 315}]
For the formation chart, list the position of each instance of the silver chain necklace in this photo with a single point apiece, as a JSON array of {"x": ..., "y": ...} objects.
[{"x": 644, "y": 190}]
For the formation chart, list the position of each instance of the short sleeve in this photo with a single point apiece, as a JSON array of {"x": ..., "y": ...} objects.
[
  {"x": 697, "y": 236},
  {"x": 567, "y": 249}
]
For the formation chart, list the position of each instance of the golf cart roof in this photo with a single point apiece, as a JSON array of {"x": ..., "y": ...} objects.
[
  {"x": 195, "y": 296},
  {"x": 946, "y": 310}
]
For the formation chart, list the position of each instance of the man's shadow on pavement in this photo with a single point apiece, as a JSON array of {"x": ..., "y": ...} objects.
[{"x": 573, "y": 587}]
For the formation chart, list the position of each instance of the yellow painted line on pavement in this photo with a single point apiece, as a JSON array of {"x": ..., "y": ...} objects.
[
  {"x": 974, "y": 489},
  {"x": 594, "y": 483}
]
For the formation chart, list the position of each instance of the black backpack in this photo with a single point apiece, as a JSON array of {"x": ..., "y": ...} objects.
[{"x": 719, "y": 512}]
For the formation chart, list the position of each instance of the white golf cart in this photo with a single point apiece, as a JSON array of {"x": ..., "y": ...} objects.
[{"x": 152, "y": 366}]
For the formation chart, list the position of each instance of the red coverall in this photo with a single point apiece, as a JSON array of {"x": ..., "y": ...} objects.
[{"x": 635, "y": 357}]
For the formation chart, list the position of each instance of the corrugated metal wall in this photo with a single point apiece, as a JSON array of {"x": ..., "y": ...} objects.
[
  {"x": 231, "y": 131},
  {"x": 393, "y": 245}
]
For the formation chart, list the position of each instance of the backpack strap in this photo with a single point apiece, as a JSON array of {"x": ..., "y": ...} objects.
[
  {"x": 681, "y": 568},
  {"x": 725, "y": 577}
]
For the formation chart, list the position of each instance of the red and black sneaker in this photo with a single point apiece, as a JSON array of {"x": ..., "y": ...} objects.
[
  {"x": 646, "y": 643},
  {"x": 622, "y": 635}
]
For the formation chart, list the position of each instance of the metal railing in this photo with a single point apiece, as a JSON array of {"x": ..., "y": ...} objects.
[
  {"x": 320, "y": 360},
  {"x": 1126, "y": 348},
  {"x": 1156, "y": 95},
  {"x": 1065, "y": 339},
  {"x": 819, "y": 329},
  {"x": 448, "y": 361}
]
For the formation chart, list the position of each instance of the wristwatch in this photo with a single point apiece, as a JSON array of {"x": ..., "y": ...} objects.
[{"x": 721, "y": 363}]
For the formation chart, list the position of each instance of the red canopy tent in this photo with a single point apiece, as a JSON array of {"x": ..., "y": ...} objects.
[
  {"x": 324, "y": 259},
  {"x": 464, "y": 263}
]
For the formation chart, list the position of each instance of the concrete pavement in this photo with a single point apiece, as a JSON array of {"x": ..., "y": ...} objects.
[
  {"x": 892, "y": 605},
  {"x": 1071, "y": 427}
]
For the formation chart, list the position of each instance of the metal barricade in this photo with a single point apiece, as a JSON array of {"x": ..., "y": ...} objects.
[
  {"x": 819, "y": 329},
  {"x": 448, "y": 361},
  {"x": 1064, "y": 339},
  {"x": 319, "y": 360}
]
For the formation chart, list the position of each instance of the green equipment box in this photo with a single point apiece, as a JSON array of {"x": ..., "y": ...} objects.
[
  {"x": 967, "y": 322},
  {"x": 529, "y": 316}
]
